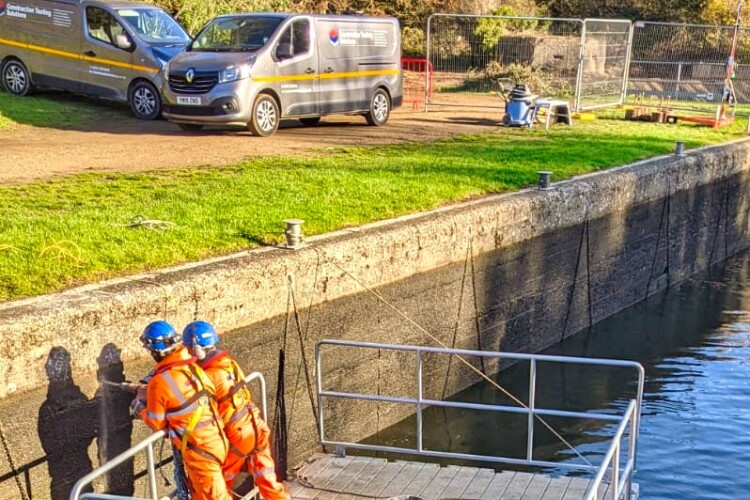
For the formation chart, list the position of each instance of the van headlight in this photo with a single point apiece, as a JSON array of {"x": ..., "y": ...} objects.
[{"x": 233, "y": 73}]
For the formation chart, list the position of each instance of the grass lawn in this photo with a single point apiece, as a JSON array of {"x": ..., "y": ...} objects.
[
  {"x": 75, "y": 230},
  {"x": 64, "y": 110}
]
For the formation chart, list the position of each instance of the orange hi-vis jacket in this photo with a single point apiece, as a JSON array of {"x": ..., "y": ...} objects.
[
  {"x": 246, "y": 430},
  {"x": 179, "y": 400},
  {"x": 232, "y": 395}
]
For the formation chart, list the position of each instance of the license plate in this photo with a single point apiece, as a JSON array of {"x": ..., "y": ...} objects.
[{"x": 189, "y": 100}]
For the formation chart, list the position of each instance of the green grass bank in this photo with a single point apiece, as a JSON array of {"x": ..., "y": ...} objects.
[{"x": 84, "y": 228}]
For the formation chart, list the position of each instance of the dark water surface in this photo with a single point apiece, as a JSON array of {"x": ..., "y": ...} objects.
[{"x": 693, "y": 341}]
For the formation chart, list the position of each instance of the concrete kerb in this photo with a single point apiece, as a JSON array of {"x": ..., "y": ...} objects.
[{"x": 241, "y": 289}]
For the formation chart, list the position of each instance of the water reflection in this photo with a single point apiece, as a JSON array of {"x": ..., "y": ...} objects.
[{"x": 694, "y": 342}]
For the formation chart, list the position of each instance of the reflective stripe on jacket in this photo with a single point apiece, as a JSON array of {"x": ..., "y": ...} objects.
[{"x": 176, "y": 392}]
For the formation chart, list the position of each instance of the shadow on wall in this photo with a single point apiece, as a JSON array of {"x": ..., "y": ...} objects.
[
  {"x": 69, "y": 422},
  {"x": 115, "y": 424},
  {"x": 67, "y": 425}
]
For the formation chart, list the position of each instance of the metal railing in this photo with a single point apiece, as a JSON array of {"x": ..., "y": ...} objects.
[
  {"x": 611, "y": 460},
  {"x": 147, "y": 445}
]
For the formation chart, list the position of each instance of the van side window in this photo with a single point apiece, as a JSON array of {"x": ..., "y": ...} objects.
[
  {"x": 298, "y": 36},
  {"x": 102, "y": 25}
]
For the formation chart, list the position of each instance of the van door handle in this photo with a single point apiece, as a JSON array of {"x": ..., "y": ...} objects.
[
  {"x": 328, "y": 70},
  {"x": 309, "y": 71},
  {"x": 90, "y": 53}
]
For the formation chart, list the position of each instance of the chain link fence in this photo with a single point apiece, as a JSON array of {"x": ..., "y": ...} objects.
[
  {"x": 604, "y": 63},
  {"x": 685, "y": 65},
  {"x": 592, "y": 63},
  {"x": 472, "y": 54}
]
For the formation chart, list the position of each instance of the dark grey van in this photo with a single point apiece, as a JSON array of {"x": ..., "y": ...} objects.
[
  {"x": 105, "y": 48},
  {"x": 256, "y": 69}
]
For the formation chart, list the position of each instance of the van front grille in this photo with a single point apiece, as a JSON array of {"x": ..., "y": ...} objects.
[{"x": 201, "y": 84}]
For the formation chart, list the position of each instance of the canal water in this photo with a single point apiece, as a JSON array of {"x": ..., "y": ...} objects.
[{"x": 694, "y": 343}]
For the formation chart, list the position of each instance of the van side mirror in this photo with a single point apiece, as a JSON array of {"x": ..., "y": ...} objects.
[
  {"x": 122, "y": 41},
  {"x": 284, "y": 51}
]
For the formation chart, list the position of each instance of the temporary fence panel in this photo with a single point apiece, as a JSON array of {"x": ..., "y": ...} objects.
[
  {"x": 604, "y": 63},
  {"x": 685, "y": 65},
  {"x": 471, "y": 54}
]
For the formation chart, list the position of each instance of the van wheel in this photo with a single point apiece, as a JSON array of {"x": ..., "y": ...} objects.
[
  {"x": 310, "y": 122},
  {"x": 16, "y": 79},
  {"x": 380, "y": 109},
  {"x": 145, "y": 101},
  {"x": 265, "y": 120},
  {"x": 190, "y": 127}
]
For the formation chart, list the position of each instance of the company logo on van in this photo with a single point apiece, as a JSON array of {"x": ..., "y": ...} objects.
[
  {"x": 333, "y": 35},
  {"x": 2, "y": 7},
  {"x": 189, "y": 76}
]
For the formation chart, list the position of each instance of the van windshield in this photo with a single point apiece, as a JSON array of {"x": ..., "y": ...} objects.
[
  {"x": 235, "y": 34},
  {"x": 154, "y": 26}
]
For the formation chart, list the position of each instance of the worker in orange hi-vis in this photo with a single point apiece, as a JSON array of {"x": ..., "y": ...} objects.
[
  {"x": 179, "y": 400},
  {"x": 248, "y": 434}
]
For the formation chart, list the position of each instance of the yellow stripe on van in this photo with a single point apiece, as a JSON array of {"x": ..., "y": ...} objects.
[
  {"x": 71, "y": 55},
  {"x": 327, "y": 76}
]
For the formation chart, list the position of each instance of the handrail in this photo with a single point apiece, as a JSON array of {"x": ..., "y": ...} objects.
[
  {"x": 617, "y": 486},
  {"x": 146, "y": 445},
  {"x": 632, "y": 414}
]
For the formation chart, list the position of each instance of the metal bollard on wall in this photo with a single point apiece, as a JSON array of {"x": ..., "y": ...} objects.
[
  {"x": 679, "y": 148},
  {"x": 293, "y": 232},
  {"x": 544, "y": 179}
]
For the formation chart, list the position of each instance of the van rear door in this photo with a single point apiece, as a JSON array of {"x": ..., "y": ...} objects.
[
  {"x": 108, "y": 69},
  {"x": 297, "y": 70}
]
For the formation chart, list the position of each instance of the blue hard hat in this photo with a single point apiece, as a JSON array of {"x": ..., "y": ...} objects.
[
  {"x": 200, "y": 333},
  {"x": 160, "y": 337}
]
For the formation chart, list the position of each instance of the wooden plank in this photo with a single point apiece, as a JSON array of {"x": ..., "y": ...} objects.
[
  {"x": 463, "y": 478},
  {"x": 381, "y": 481},
  {"x": 399, "y": 483},
  {"x": 536, "y": 487},
  {"x": 517, "y": 486},
  {"x": 422, "y": 480},
  {"x": 309, "y": 470},
  {"x": 498, "y": 485},
  {"x": 556, "y": 488},
  {"x": 577, "y": 488},
  {"x": 604, "y": 491},
  {"x": 327, "y": 475},
  {"x": 440, "y": 482},
  {"x": 305, "y": 487},
  {"x": 360, "y": 482},
  {"x": 478, "y": 484},
  {"x": 340, "y": 482}
]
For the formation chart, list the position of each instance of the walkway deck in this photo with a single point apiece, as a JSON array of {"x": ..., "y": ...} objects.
[{"x": 355, "y": 478}]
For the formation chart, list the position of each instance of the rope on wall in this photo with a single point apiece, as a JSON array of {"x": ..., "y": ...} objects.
[
  {"x": 458, "y": 319},
  {"x": 572, "y": 293},
  {"x": 662, "y": 222},
  {"x": 280, "y": 433},
  {"x": 11, "y": 463},
  {"x": 477, "y": 325}
]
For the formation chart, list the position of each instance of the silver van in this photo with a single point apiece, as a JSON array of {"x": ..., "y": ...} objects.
[
  {"x": 110, "y": 49},
  {"x": 256, "y": 69}
]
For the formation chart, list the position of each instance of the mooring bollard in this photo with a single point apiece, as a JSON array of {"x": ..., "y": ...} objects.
[
  {"x": 293, "y": 232},
  {"x": 679, "y": 148},
  {"x": 544, "y": 179}
]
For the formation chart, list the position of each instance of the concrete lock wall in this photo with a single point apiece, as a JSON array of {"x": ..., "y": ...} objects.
[{"x": 509, "y": 272}]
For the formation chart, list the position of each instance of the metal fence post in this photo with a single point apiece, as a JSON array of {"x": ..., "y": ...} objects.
[
  {"x": 628, "y": 55},
  {"x": 579, "y": 76},
  {"x": 532, "y": 404}
]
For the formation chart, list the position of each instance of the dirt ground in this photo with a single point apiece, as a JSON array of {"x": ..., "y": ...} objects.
[{"x": 125, "y": 144}]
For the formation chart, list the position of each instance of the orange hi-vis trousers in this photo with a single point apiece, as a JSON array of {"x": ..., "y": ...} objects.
[{"x": 251, "y": 453}]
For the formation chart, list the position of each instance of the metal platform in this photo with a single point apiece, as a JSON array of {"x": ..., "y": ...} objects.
[{"x": 357, "y": 478}]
